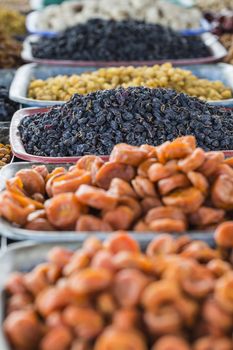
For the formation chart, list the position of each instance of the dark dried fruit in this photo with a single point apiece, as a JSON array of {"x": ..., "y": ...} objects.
[
  {"x": 94, "y": 123},
  {"x": 102, "y": 40}
]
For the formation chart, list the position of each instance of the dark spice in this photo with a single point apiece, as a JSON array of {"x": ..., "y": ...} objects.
[
  {"x": 102, "y": 40},
  {"x": 94, "y": 123}
]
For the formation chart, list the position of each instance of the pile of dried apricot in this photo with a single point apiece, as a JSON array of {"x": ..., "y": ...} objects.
[
  {"x": 112, "y": 296},
  {"x": 170, "y": 188}
]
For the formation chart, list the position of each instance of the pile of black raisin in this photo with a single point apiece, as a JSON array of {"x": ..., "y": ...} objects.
[
  {"x": 94, "y": 123},
  {"x": 7, "y": 107},
  {"x": 102, "y": 40}
]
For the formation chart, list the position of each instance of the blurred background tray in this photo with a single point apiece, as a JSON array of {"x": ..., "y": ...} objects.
[
  {"x": 32, "y": 19},
  {"x": 218, "y": 52},
  {"x": 31, "y": 71}
]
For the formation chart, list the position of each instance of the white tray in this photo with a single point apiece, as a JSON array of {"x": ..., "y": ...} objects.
[{"x": 31, "y": 71}]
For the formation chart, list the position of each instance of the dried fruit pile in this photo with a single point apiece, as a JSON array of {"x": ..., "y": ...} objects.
[
  {"x": 5, "y": 154},
  {"x": 169, "y": 188},
  {"x": 69, "y": 13},
  {"x": 94, "y": 123},
  {"x": 7, "y": 107},
  {"x": 11, "y": 21},
  {"x": 62, "y": 87},
  {"x": 10, "y": 52},
  {"x": 111, "y": 295},
  {"x": 101, "y": 40}
]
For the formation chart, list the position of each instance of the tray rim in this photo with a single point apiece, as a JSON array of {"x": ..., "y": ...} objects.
[
  {"x": 12, "y": 232},
  {"x": 217, "y": 49},
  {"x": 19, "y": 151},
  {"x": 25, "y": 72}
]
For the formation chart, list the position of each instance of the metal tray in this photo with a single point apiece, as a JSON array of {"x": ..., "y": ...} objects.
[
  {"x": 31, "y": 71},
  {"x": 16, "y": 233},
  {"x": 28, "y": 72},
  {"x": 218, "y": 52},
  {"x": 20, "y": 152},
  {"x": 32, "y": 19}
]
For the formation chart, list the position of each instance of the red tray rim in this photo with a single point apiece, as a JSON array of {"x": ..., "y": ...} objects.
[{"x": 19, "y": 151}]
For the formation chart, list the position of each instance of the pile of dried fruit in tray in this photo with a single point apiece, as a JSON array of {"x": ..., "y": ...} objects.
[
  {"x": 5, "y": 154},
  {"x": 11, "y": 21},
  {"x": 10, "y": 52},
  {"x": 7, "y": 106},
  {"x": 69, "y": 13},
  {"x": 111, "y": 295},
  {"x": 170, "y": 188},
  {"x": 101, "y": 40},
  {"x": 94, "y": 123},
  {"x": 62, "y": 87}
]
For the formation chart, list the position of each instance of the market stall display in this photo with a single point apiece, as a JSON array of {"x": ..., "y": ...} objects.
[
  {"x": 113, "y": 295},
  {"x": 59, "y": 17},
  {"x": 133, "y": 146},
  {"x": 94, "y": 123},
  {"x": 142, "y": 189}
]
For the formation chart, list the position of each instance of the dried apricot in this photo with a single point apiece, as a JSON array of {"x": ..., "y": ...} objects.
[
  {"x": 63, "y": 210},
  {"x": 188, "y": 200},
  {"x": 111, "y": 170},
  {"x": 95, "y": 197},
  {"x": 173, "y": 182},
  {"x": 127, "y": 154}
]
